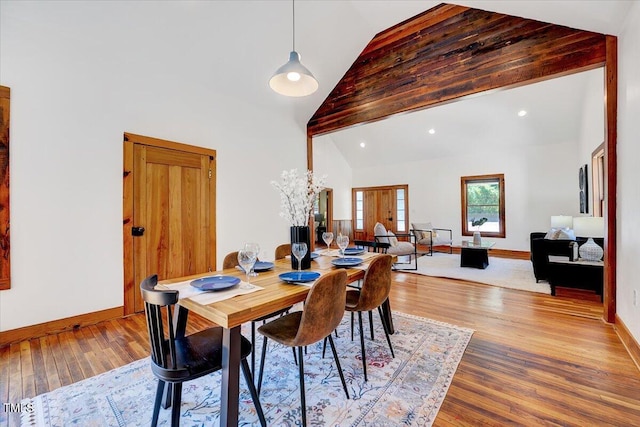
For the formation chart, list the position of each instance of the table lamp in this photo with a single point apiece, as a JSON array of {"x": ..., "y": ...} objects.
[{"x": 589, "y": 227}]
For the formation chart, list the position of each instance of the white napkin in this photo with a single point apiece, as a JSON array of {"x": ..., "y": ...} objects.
[{"x": 207, "y": 297}]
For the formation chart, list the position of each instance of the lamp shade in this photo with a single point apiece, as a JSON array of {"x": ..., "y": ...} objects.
[
  {"x": 293, "y": 78},
  {"x": 561, "y": 221},
  {"x": 588, "y": 226}
]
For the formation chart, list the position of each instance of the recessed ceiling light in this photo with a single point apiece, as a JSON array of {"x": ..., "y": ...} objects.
[
  {"x": 432, "y": 131},
  {"x": 522, "y": 113},
  {"x": 363, "y": 144}
]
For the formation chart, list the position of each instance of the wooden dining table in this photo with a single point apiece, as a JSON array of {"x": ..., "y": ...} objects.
[{"x": 231, "y": 313}]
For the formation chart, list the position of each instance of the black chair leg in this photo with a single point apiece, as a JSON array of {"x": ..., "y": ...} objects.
[
  {"x": 352, "y": 326},
  {"x": 253, "y": 348},
  {"x": 252, "y": 390},
  {"x": 364, "y": 357},
  {"x": 324, "y": 346},
  {"x": 295, "y": 358},
  {"x": 303, "y": 402},
  {"x": 262, "y": 357},
  {"x": 175, "y": 409},
  {"x": 386, "y": 332},
  {"x": 335, "y": 357},
  {"x": 167, "y": 395},
  {"x": 371, "y": 324},
  {"x": 157, "y": 403}
]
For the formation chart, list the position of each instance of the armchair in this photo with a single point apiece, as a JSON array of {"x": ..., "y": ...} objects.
[
  {"x": 427, "y": 235},
  {"x": 400, "y": 248}
]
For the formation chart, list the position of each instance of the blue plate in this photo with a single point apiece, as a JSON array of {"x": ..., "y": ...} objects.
[
  {"x": 346, "y": 262},
  {"x": 314, "y": 255},
  {"x": 303, "y": 276},
  {"x": 215, "y": 283},
  {"x": 354, "y": 251},
  {"x": 262, "y": 266}
]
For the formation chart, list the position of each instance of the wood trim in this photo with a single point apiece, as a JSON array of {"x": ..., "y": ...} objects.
[
  {"x": 5, "y": 246},
  {"x": 611, "y": 183},
  {"x": 127, "y": 224},
  {"x": 502, "y": 233},
  {"x": 60, "y": 325},
  {"x": 629, "y": 342},
  {"x": 596, "y": 188}
]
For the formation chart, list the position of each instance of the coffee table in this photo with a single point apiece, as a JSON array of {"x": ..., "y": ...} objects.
[{"x": 475, "y": 255}]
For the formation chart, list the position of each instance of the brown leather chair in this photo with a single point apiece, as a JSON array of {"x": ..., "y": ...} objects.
[
  {"x": 375, "y": 291},
  {"x": 230, "y": 261},
  {"x": 283, "y": 250},
  {"x": 322, "y": 313},
  {"x": 177, "y": 360}
]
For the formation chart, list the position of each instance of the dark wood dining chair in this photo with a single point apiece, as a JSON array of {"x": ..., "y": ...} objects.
[
  {"x": 373, "y": 293},
  {"x": 323, "y": 310},
  {"x": 177, "y": 360}
]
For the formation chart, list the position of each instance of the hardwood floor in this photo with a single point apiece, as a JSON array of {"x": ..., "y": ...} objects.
[{"x": 533, "y": 359}]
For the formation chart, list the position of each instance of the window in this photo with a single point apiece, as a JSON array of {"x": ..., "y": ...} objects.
[
  {"x": 359, "y": 210},
  {"x": 483, "y": 197},
  {"x": 400, "y": 210}
]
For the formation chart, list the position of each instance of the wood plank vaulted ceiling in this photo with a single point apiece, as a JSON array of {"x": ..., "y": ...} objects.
[{"x": 449, "y": 52}]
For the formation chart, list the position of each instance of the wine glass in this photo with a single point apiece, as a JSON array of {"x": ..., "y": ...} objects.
[
  {"x": 342, "y": 241},
  {"x": 327, "y": 236},
  {"x": 255, "y": 248},
  {"x": 299, "y": 250},
  {"x": 246, "y": 259}
]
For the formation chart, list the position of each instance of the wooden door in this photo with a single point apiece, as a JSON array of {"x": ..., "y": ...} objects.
[
  {"x": 173, "y": 221},
  {"x": 379, "y": 204}
]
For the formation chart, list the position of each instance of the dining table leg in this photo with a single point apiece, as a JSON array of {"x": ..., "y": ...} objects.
[{"x": 231, "y": 342}]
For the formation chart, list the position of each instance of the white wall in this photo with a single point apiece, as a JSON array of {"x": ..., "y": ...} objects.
[
  {"x": 83, "y": 73},
  {"x": 329, "y": 161},
  {"x": 628, "y": 223},
  {"x": 592, "y": 128},
  {"x": 540, "y": 181}
]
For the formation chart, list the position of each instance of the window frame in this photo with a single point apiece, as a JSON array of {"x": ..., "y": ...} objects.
[{"x": 466, "y": 180}]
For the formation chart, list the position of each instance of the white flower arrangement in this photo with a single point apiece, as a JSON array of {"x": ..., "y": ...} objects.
[{"x": 298, "y": 194}]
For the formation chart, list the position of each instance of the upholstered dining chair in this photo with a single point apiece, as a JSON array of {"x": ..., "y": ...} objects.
[
  {"x": 323, "y": 310},
  {"x": 177, "y": 360},
  {"x": 374, "y": 291},
  {"x": 283, "y": 250}
]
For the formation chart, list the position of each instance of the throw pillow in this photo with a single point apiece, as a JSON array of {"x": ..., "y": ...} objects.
[
  {"x": 565, "y": 234},
  {"x": 393, "y": 240},
  {"x": 552, "y": 234},
  {"x": 381, "y": 233},
  {"x": 429, "y": 235}
]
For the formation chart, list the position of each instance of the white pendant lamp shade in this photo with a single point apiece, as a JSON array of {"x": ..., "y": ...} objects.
[{"x": 293, "y": 78}]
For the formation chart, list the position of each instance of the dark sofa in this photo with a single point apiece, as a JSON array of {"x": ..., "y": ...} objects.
[{"x": 541, "y": 248}]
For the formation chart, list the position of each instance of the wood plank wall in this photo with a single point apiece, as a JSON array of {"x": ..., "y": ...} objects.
[{"x": 450, "y": 52}]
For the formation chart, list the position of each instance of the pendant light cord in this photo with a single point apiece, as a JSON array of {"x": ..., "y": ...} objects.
[{"x": 293, "y": 8}]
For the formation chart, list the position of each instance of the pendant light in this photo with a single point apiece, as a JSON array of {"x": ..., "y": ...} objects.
[{"x": 293, "y": 78}]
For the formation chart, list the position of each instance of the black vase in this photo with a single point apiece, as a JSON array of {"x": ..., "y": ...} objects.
[{"x": 301, "y": 235}]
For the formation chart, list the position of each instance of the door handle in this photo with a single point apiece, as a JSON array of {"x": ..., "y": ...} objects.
[{"x": 137, "y": 231}]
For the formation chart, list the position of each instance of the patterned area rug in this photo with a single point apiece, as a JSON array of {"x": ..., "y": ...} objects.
[
  {"x": 503, "y": 272},
  {"x": 401, "y": 391}
]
